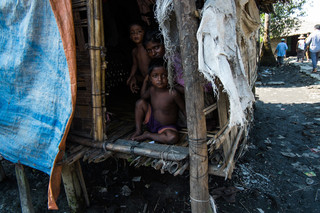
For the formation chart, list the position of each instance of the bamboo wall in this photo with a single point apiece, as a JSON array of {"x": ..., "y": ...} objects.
[{"x": 82, "y": 121}]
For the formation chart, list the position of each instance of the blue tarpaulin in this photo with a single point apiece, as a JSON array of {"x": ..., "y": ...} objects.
[{"x": 35, "y": 86}]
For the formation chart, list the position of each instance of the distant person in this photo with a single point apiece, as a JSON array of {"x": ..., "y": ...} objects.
[
  {"x": 158, "y": 108},
  {"x": 308, "y": 49},
  {"x": 140, "y": 58},
  {"x": 314, "y": 42},
  {"x": 301, "y": 46},
  {"x": 281, "y": 51}
]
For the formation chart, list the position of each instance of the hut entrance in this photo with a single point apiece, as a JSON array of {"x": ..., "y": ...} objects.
[
  {"x": 104, "y": 115},
  {"x": 120, "y": 101}
]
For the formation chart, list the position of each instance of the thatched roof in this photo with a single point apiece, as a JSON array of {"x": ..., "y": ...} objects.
[
  {"x": 267, "y": 5},
  {"x": 307, "y": 26}
]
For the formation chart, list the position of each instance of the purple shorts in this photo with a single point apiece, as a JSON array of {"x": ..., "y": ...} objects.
[{"x": 154, "y": 126}]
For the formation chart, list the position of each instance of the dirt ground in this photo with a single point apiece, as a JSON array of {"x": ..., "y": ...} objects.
[{"x": 279, "y": 172}]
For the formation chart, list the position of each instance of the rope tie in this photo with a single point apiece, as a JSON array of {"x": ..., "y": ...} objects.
[
  {"x": 104, "y": 146},
  {"x": 95, "y": 47},
  {"x": 198, "y": 141},
  {"x": 199, "y": 201}
]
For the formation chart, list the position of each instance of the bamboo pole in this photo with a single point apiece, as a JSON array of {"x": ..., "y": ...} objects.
[
  {"x": 187, "y": 26},
  {"x": 230, "y": 161},
  {"x": 82, "y": 182},
  {"x": 24, "y": 190},
  {"x": 95, "y": 63},
  {"x": 210, "y": 108},
  {"x": 103, "y": 74},
  {"x": 159, "y": 151}
]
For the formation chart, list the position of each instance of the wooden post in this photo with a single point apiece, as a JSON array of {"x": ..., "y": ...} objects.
[
  {"x": 24, "y": 190},
  {"x": 82, "y": 182},
  {"x": 95, "y": 63},
  {"x": 223, "y": 106},
  {"x": 103, "y": 74},
  {"x": 72, "y": 188},
  {"x": 187, "y": 26}
]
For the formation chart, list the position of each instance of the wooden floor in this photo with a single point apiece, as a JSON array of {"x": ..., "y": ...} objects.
[{"x": 120, "y": 126}]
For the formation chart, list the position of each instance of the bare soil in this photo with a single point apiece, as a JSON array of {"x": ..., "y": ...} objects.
[{"x": 279, "y": 172}]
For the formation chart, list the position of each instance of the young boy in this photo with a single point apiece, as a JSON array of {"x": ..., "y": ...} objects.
[
  {"x": 140, "y": 57},
  {"x": 161, "y": 114}
]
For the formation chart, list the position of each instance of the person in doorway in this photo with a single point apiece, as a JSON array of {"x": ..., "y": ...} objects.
[
  {"x": 308, "y": 50},
  {"x": 314, "y": 42},
  {"x": 153, "y": 43},
  {"x": 140, "y": 58},
  {"x": 301, "y": 46},
  {"x": 158, "y": 108},
  {"x": 281, "y": 51}
]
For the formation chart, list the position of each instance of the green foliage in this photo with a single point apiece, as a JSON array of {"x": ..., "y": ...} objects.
[{"x": 285, "y": 17}]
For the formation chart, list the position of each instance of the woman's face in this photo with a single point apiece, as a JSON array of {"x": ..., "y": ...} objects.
[{"x": 155, "y": 50}]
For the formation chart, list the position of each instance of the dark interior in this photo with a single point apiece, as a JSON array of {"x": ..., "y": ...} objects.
[
  {"x": 120, "y": 101},
  {"x": 118, "y": 15}
]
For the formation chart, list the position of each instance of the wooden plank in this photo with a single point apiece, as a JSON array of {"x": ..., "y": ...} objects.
[
  {"x": 82, "y": 182},
  {"x": 210, "y": 108},
  {"x": 102, "y": 156},
  {"x": 222, "y": 105},
  {"x": 75, "y": 148},
  {"x": 79, "y": 31},
  {"x": 87, "y": 154},
  {"x": 94, "y": 154},
  {"x": 77, "y": 155},
  {"x": 72, "y": 188},
  {"x": 187, "y": 27},
  {"x": 121, "y": 132},
  {"x": 219, "y": 138},
  {"x": 24, "y": 190},
  {"x": 230, "y": 160},
  {"x": 233, "y": 140}
]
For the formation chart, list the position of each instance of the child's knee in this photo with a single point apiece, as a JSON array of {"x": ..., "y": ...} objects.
[{"x": 172, "y": 137}]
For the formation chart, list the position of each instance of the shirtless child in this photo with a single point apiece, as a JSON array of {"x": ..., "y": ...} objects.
[
  {"x": 158, "y": 108},
  {"x": 140, "y": 58}
]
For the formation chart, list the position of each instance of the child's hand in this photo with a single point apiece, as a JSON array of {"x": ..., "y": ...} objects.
[
  {"x": 134, "y": 88},
  {"x": 129, "y": 80},
  {"x": 133, "y": 85}
]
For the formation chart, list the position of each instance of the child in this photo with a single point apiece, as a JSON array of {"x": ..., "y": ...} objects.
[
  {"x": 153, "y": 43},
  {"x": 161, "y": 114},
  {"x": 140, "y": 58}
]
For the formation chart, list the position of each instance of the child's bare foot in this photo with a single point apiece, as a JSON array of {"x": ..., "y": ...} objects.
[
  {"x": 142, "y": 137},
  {"x": 136, "y": 134}
]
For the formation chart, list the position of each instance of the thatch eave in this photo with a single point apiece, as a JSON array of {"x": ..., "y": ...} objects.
[{"x": 266, "y": 6}]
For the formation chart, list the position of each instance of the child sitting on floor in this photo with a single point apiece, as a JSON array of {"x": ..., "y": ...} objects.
[
  {"x": 140, "y": 58},
  {"x": 161, "y": 114}
]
